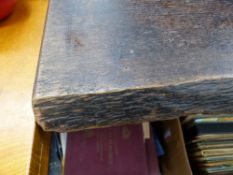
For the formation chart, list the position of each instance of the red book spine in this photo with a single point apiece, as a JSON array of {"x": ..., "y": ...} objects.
[{"x": 107, "y": 151}]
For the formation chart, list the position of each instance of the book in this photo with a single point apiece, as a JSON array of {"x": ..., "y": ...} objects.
[
  {"x": 151, "y": 149},
  {"x": 56, "y": 155},
  {"x": 107, "y": 151},
  {"x": 152, "y": 157},
  {"x": 206, "y": 125},
  {"x": 209, "y": 143},
  {"x": 193, "y": 119},
  {"x": 217, "y": 163},
  {"x": 213, "y": 152}
]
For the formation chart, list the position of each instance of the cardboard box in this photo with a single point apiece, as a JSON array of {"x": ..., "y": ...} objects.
[
  {"x": 40, "y": 152},
  {"x": 175, "y": 161}
]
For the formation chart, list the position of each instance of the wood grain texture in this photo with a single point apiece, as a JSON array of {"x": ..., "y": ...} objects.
[
  {"x": 20, "y": 40},
  {"x": 109, "y": 62},
  {"x": 41, "y": 148}
]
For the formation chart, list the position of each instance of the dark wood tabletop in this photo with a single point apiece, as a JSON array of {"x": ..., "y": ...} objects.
[{"x": 109, "y": 62}]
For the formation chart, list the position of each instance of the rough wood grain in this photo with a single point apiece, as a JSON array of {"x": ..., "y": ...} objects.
[
  {"x": 109, "y": 62},
  {"x": 20, "y": 40}
]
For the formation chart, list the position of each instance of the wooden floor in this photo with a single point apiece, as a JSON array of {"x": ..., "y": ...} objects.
[{"x": 20, "y": 39}]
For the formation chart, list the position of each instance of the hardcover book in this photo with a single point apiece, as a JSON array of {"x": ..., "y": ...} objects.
[
  {"x": 152, "y": 158},
  {"x": 209, "y": 143},
  {"x": 107, "y": 151}
]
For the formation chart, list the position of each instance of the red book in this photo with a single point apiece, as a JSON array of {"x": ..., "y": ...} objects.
[{"x": 107, "y": 151}]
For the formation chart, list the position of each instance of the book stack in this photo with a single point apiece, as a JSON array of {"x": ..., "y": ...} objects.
[
  {"x": 209, "y": 141},
  {"x": 120, "y": 150}
]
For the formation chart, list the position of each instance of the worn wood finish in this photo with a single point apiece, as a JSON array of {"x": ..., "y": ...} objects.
[
  {"x": 20, "y": 40},
  {"x": 109, "y": 62}
]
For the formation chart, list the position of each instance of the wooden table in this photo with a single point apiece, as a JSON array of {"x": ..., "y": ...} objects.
[
  {"x": 110, "y": 62},
  {"x": 23, "y": 145}
]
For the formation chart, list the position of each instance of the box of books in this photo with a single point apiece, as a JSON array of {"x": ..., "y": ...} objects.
[{"x": 140, "y": 149}]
